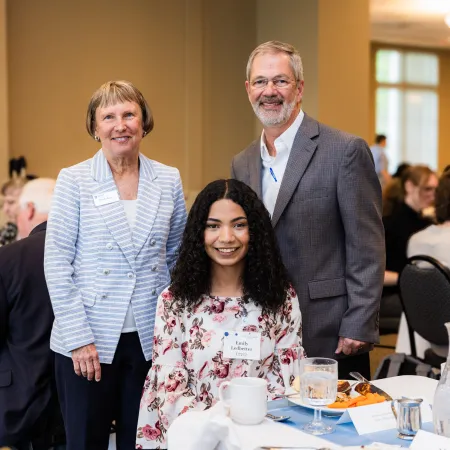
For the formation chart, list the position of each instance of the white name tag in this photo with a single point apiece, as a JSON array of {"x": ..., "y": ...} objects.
[
  {"x": 242, "y": 345},
  {"x": 106, "y": 197}
]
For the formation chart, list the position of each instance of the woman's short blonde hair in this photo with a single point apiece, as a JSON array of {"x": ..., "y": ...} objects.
[{"x": 114, "y": 92}]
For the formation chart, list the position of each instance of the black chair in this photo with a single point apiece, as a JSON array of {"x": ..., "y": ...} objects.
[{"x": 424, "y": 286}]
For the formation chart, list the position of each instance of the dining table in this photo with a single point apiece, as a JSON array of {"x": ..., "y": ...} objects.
[{"x": 411, "y": 386}]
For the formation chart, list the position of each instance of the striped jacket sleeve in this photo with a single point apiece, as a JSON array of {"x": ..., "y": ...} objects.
[
  {"x": 177, "y": 224},
  {"x": 60, "y": 250}
]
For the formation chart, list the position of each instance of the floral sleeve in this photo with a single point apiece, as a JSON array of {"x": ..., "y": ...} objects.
[
  {"x": 167, "y": 392},
  {"x": 288, "y": 346}
]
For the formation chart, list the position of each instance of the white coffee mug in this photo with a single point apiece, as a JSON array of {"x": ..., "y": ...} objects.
[{"x": 247, "y": 399}]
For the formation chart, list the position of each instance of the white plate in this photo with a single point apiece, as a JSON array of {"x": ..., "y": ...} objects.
[{"x": 325, "y": 409}]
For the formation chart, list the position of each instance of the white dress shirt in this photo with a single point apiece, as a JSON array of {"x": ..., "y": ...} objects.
[
  {"x": 273, "y": 167},
  {"x": 129, "y": 324}
]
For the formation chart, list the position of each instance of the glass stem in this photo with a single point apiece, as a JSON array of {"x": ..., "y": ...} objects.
[{"x": 317, "y": 415}]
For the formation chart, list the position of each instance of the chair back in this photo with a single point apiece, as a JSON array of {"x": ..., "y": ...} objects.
[{"x": 424, "y": 286}]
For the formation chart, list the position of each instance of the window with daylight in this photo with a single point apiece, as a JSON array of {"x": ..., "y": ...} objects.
[{"x": 407, "y": 106}]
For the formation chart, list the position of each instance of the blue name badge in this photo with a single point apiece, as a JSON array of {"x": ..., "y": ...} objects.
[{"x": 242, "y": 345}]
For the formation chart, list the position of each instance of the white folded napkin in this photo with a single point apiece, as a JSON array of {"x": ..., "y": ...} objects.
[{"x": 214, "y": 430}]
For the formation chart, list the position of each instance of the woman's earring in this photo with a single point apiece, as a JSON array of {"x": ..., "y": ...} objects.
[
  {"x": 97, "y": 138},
  {"x": 144, "y": 134}
]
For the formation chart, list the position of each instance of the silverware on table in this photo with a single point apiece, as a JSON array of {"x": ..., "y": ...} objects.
[
  {"x": 277, "y": 418},
  {"x": 293, "y": 394},
  {"x": 374, "y": 389}
]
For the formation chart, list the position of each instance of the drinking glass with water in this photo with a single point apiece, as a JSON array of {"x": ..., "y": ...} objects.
[{"x": 318, "y": 387}]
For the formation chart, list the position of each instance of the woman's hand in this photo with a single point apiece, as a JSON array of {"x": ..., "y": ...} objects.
[{"x": 86, "y": 362}]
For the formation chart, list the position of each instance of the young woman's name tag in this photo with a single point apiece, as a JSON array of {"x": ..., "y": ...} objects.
[
  {"x": 242, "y": 345},
  {"x": 105, "y": 198}
]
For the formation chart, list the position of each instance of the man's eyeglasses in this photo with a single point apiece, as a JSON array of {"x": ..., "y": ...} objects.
[{"x": 262, "y": 83}]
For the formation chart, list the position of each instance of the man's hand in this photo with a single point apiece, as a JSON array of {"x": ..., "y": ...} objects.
[
  {"x": 86, "y": 362},
  {"x": 352, "y": 346}
]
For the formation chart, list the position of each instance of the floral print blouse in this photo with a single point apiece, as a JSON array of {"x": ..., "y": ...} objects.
[{"x": 188, "y": 364}]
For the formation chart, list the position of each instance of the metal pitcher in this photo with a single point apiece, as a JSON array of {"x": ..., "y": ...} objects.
[{"x": 409, "y": 418}]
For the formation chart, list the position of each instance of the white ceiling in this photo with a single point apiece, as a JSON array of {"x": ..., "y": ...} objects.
[{"x": 410, "y": 22}]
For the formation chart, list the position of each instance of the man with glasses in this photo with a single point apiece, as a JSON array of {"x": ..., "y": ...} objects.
[{"x": 321, "y": 189}]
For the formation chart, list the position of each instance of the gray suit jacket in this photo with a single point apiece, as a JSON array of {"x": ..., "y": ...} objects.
[{"x": 327, "y": 219}]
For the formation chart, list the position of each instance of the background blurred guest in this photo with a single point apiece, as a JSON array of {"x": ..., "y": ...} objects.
[
  {"x": 113, "y": 234},
  {"x": 435, "y": 240},
  {"x": 418, "y": 185},
  {"x": 380, "y": 159},
  {"x": 229, "y": 277},
  {"x": 11, "y": 191},
  {"x": 28, "y": 403},
  {"x": 401, "y": 168}
]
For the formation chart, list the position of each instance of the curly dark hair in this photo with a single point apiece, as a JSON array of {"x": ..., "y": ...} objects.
[{"x": 265, "y": 279}]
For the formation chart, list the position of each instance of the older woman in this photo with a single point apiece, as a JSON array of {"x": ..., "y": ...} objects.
[{"x": 112, "y": 237}]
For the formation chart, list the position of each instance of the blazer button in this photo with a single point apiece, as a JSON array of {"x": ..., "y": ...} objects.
[
  {"x": 154, "y": 268},
  {"x": 154, "y": 292},
  {"x": 104, "y": 296},
  {"x": 106, "y": 271},
  {"x": 130, "y": 275},
  {"x": 152, "y": 242},
  {"x": 109, "y": 246}
]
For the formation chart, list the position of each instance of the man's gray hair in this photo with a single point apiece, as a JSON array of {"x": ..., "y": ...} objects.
[
  {"x": 275, "y": 47},
  {"x": 40, "y": 193}
]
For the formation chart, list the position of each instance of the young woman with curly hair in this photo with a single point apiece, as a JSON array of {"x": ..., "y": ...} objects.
[{"x": 229, "y": 277}]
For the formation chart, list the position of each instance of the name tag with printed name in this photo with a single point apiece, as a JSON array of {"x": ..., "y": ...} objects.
[
  {"x": 105, "y": 198},
  {"x": 242, "y": 345}
]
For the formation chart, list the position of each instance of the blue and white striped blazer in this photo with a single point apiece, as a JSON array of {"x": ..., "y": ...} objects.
[{"x": 95, "y": 266}]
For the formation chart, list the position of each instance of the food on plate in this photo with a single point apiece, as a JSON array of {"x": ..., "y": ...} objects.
[
  {"x": 343, "y": 385},
  {"x": 360, "y": 400}
]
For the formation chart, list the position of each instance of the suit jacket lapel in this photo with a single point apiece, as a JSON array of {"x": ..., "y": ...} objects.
[
  {"x": 149, "y": 197},
  {"x": 254, "y": 168},
  {"x": 113, "y": 213},
  {"x": 302, "y": 151}
]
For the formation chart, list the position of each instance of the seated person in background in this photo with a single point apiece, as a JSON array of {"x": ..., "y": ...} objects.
[
  {"x": 435, "y": 240},
  {"x": 404, "y": 218},
  {"x": 432, "y": 241},
  {"x": 229, "y": 277},
  {"x": 28, "y": 402},
  {"x": 11, "y": 191}
]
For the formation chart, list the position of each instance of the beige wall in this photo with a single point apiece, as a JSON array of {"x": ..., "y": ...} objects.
[
  {"x": 444, "y": 99},
  {"x": 57, "y": 61},
  {"x": 344, "y": 64},
  {"x": 229, "y": 37},
  {"x": 4, "y": 114}
]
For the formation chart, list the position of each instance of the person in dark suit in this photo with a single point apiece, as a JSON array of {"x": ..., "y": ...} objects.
[
  {"x": 27, "y": 395},
  {"x": 321, "y": 189}
]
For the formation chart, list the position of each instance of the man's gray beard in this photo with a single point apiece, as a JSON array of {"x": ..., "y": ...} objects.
[{"x": 272, "y": 118}]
